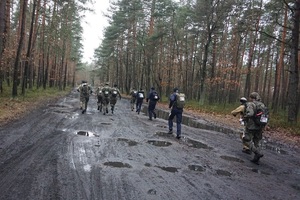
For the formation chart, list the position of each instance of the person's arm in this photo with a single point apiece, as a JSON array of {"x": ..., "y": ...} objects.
[
  {"x": 172, "y": 100},
  {"x": 238, "y": 110}
]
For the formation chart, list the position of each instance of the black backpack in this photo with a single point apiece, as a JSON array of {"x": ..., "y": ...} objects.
[
  {"x": 155, "y": 96},
  {"x": 105, "y": 91},
  {"x": 114, "y": 93},
  {"x": 261, "y": 116},
  {"x": 85, "y": 90}
]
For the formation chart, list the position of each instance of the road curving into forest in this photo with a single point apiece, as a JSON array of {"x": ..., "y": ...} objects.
[{"x": 55, "y": 152}]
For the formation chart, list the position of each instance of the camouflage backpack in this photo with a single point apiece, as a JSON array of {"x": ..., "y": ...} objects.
[
  {"x": 180, "y": 100},
  {"x": 261, "y": 116}
]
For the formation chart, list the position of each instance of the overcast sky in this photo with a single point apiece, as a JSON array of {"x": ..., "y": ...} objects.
[{"x": 93, "y": 26}]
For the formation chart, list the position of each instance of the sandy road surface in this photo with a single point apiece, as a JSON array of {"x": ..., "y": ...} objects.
[{"x": 126, "y": 156}]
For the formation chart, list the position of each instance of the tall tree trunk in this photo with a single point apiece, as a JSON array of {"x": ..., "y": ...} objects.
[
  {"x": 293, "y": 90},
  {"x": 19, "y": 50},
  {"x": 279, "y": 67},
  {"x": 28, "y": 54}
]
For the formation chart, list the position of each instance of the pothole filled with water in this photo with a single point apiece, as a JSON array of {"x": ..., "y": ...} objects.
[
  {"x": 159, "y": 143},
  {"x": 197, "y": 168},
  {"x": 197, "y": 144},
  {"x": 117, "y": 164},
  {"x": 168, "y": 169},
  {"x": 85, "y": 133},
  {"x": 223, "y": 172},
  {"x": 129, "y": 142}
]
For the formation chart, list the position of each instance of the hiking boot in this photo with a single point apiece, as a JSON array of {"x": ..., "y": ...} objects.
[
  {"x": 154, "y": 115},
  {"x": 247, "y": 151},
  {"x": 83, "y": 111},
  {"x": 106, "y": 110},
  {"x": 178, "y": 137},
  {"x": 256, "y": 158},
  {"x": 170, "y": 131},
  {"x": 98, "y": 108},
  {"x": 150, "y": 119}
]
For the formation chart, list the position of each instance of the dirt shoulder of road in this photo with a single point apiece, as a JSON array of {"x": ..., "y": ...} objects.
[{"x": 13, "y": 109}]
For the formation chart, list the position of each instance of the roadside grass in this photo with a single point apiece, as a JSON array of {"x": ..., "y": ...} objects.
[{"x": 12, "y": 108}]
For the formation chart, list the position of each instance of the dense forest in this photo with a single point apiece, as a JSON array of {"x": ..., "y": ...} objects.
[{"x": 215, "y": 51}]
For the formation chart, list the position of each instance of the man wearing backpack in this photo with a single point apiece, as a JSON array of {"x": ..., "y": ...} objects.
[
  {"x": 133, "y": 94},
  {"x": 153, "y": 97},
  {"x": 106, "y": 97},
  {"x": 139, "y": 100},
  {"x": 253, "y": 131},
  {"x": 85, "y": 91},
  {"x": 99, "y": 98},
  {"x": 240, "y": 110},
  {"x": 176, "y": 104},
  {"x": 114, "y": 93}
]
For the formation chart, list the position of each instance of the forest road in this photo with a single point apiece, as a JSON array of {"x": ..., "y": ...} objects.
[{"x": 55, "y": 152}]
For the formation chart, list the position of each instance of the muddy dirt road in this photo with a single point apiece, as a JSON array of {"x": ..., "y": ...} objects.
[{"x": 55, "y": 152}]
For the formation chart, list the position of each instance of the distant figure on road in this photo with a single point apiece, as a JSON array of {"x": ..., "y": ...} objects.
[
  {"x": 114, "y": 93},
  {"x": 99, "y": 98},
  {"x": 133, "y": 94},
  {"x": 106, "y": 97},
  {"x": 177, "y": 102},
  {"x": 85, "y": 91},
  {"x": 153, "y": 97},
  {"x": 240, "y": 111},
  {"x": 139, "y": 100}
]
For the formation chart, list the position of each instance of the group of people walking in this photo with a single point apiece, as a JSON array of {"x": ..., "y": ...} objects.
[
  {"x": 106, "y": 96},
  {"x": 176, "y": 104},
  {"x": 253, "y": 114}
]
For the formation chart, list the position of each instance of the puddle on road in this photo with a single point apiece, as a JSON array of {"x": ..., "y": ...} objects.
[
  {"x": 197, "y": 168},
  {"x": 85, "y": 133},
  {"x": 234, "y": 159},
  {"x": 148, "y": 165},
  {"x": 168, "y": 169},
  {"x": 223, "y": 172},
  {"x": 159, "y": 143},
  {"x": 129, "y": 142},
  {"x": 260, "y": 172},
  {"x": 105, "y": 123},
  {"x": 197, "y": 144},
  {"x": 152, "y": 192},
  {"x": 164, "y": 134},
  {"x": 117, "y": 164}
]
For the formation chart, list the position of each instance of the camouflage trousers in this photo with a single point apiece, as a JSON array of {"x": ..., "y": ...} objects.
[
  {"x": 83, "y": 102},
  {"x": 252, "y": 139},
  {"x": 105, "y": 103}
]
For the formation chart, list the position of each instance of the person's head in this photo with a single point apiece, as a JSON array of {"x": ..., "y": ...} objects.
[
  {"x": 83, "y": 81},
  {"x": 175, "y": 90},
  {"x": 254, "y": 96},
  {"x": 107, "y": 83},
  {"x": 115, "y": 85},
  {"x": 152, "y": 88},
  {"x": 243, "y": 100},
  {"x": 141, "y": 89}
]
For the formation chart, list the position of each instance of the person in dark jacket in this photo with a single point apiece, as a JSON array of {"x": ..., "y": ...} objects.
[
  {"x": 175, "y": 111},
  {"x": 139, "y": 100},
  {"x": 152, "y": 98}
]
